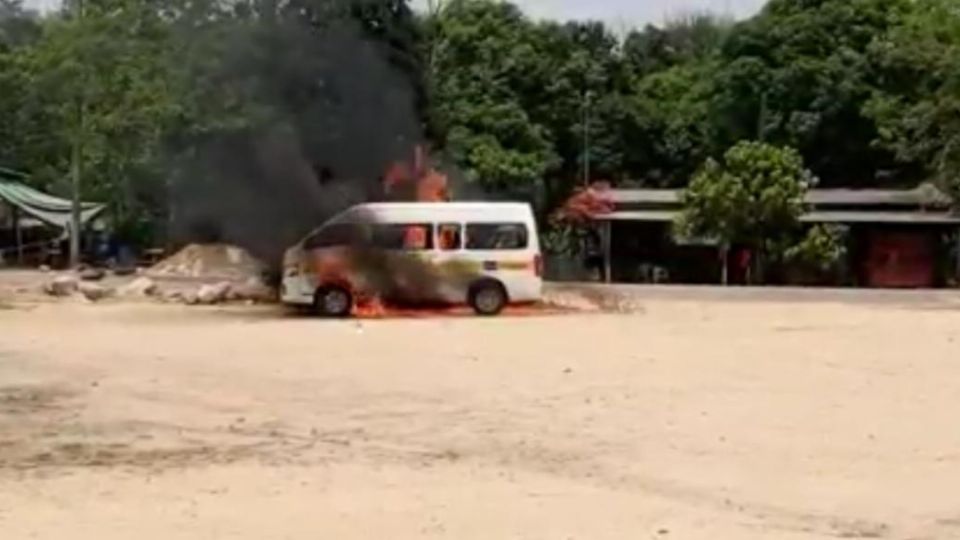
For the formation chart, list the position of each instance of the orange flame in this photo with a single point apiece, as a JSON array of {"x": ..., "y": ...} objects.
[
  {"x": 369, "y": 307},
  {"x": 417, "y": 181},
  {"x": 407, "y": 180}
]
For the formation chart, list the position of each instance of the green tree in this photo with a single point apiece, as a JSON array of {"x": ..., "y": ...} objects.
[
  {"x": 181, "y": 101},
  {"x": 487, "y": 67},
  {"x": 99, "y": 101},
  {"x": 521, "y": 102},
  {"x": 821, "y": 250},
  {"x": 669, "y": 132},
  {"x": 257, "y": 99},
  {"x": 918, "y": 107},
  {"x": 684, "y": 40},
  {"x": 799, "y": 74},
  {"x": 666, "y": 130},
  {"x": 754, "y": 198},
  {"x": 19, "y": 29},
  {"x": 580, "y": 103}
]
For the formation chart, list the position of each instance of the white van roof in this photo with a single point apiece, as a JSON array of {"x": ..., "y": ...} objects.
[{"x": 480, "y": 212}]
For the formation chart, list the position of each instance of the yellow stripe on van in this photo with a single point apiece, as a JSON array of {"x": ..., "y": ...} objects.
[
  {"x": 515, "y": 265},
  {"x": 478, "y": 266},
  {"x": 461, "y": 265}
]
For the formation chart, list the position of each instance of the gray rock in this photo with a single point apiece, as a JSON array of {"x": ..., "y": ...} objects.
[
  {"x": 252, "y": 290},
  {"x": 92, "y": 274},
  {"x": 173, "y": 296},
  {"x": 61, "y": 285},
  {"x": 94, "y": 291},
  {"x": 140, "y": 287},
  {"x": 213, "y": 294}
]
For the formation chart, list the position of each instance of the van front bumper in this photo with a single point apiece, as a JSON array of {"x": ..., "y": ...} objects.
[{"x": 296, "y": 290}]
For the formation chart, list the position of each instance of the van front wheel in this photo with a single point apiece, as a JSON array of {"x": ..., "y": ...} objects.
[
  {"x": 333, "y": 301},
  {"x": 487, "y": 298}
]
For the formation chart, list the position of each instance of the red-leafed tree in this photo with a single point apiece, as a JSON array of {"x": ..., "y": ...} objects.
[{"x": 586, "y": 204}]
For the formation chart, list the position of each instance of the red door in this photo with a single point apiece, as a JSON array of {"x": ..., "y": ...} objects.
[{"x": 900, "y": 260}]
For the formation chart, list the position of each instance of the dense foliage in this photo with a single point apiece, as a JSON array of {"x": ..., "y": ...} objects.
[
  {"x": 822, "y": 249},
  {"x": 753, "y": 198},
  {"x": 216, "y": 98}
]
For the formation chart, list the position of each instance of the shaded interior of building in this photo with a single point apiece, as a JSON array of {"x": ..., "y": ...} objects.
[{"x": 893, "y": 239}]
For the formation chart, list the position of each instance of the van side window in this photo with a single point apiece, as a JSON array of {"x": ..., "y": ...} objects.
[
  {"x": 340, "y": 234},
  {"x": 449, "y": 236},
  {"x": 403, "y": 236},
  {"x": 496, "y": 236}
]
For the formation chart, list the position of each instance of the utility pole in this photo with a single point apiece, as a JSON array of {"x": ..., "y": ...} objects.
[
  {"x": 586, "y": 138},
  {"x": 75, "y": 166},
  {"x": 434, "y": 11}
]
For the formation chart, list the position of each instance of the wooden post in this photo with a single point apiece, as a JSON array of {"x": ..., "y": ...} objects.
[
  {"x": 607, "y": 249},
  {"x": 724, "y": 264},
  {"x": 956, "y": 271},
  {"x": 18, "y": 234}
]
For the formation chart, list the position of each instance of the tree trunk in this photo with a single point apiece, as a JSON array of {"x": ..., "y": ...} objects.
[
  {"x": 18, "y": 234},
  {"x": 75, "y": 157},
  {"x": 75, "y": 218}
]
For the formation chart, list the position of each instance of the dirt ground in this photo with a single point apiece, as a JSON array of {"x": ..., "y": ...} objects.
[{"x": 707, "y": 415}]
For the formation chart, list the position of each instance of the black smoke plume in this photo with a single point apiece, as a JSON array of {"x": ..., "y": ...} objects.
[{"x": 303, "y": 104}]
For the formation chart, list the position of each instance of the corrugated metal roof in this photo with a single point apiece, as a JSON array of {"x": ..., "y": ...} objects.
[
  {"x": 925, "y": 195},
  {"x": 651, "y": 196},
  {"x": 917, "y": 218},
  {"x": 639, "y": 215}
]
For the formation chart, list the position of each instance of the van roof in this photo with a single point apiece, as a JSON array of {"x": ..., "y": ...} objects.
[
  {"x": 479, "y": 211},
  {"x": 455, "y": 212},
  {"x": 446, "y": 206}
]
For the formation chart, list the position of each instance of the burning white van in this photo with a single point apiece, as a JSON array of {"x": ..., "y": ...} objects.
[{"x": 486, "y": 255}]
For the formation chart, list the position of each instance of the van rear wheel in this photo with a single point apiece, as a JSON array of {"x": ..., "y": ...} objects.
[
  {"x": 333, "y": 301},
  {"x": 487, "y": 298}
]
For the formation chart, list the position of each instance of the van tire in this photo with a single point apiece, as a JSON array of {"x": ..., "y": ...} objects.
[
  {"x": 333, "y": 301},
  {"x": 487, "y": 297}
]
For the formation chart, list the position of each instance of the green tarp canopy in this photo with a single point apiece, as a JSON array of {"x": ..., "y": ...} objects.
[{"x": 51, "y": 210}]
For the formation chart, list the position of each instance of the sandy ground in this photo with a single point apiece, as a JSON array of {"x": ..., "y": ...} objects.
[{"x": 709, "y": 415}]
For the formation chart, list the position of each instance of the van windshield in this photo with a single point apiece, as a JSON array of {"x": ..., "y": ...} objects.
[{"x": 338, "y": 234}]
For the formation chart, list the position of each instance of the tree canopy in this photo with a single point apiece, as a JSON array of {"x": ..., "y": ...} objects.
[
  {"x": 205, "y": 117},
  {"x": 753, "y": 198},
  {"x": 917, "y": 108}
]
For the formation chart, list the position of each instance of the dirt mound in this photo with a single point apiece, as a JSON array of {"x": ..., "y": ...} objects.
[
  {"x": 206, "y": 261},
  {"x": 587, "y": 298}
]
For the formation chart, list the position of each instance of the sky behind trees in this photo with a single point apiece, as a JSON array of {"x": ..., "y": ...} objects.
[
  {"x": 631, "y": 12},
  {"x": 617, "y": 12}
]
